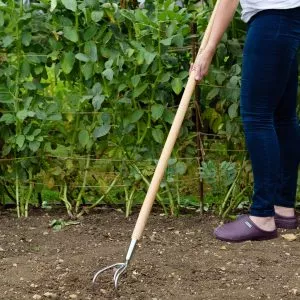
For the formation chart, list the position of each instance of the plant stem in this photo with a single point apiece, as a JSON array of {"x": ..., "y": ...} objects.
[
  {"x": 87, "y": 165},
  {"x": 129, "y": 201},
  {"x": 29, "y": 193},
  {"x": 231, "y": 189},
  {"x": 17, "y": 195},
  {"x": 174, "y": 211},
  {"x": 235, "y": 202},
  {"x": 178, "y": 192},
  {"x": 64, "y": 198},
  {"x": 102, "y": 197}
]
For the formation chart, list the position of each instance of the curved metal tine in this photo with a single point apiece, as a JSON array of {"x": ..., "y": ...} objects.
[
  {"x": 118, "y": 270},
  {"x": 118, "y": 273},
  {"x": 118, "y": 265}
]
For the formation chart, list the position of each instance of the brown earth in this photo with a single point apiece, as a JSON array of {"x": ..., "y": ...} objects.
[{"x": 178, "y": 258}]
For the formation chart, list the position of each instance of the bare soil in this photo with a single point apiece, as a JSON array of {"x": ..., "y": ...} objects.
[{"x": 178, "y": 258}]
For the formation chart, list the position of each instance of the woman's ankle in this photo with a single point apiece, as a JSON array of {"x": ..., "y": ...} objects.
[
  {"x": 264, "y": 223},
  {"x": 284, "y": 211}
]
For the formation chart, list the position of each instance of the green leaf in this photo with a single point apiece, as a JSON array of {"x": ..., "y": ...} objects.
[
  {"x": 217, "y": 124},
  {"x": 70, "y": 4},
  {"x": 90, "y": 49},
  {"x": 178, "y": 40},
  {"x": 177, "y": 85},
  {"x": 165, "y": 77},
  {"x": 34, "y": 146},
  {"x": 168, "y": 116},
  {"x": 158, "y": 135},
  {"x": 233, "y": 110},
  {"x": 83, "y": 137},
  {"x": 90, "y": 32},
  {"x": 7, "y": 41},
  {"x": 22, "y": 114},
  {"x": 170, "y": 29},
  {"x": 108, "y": 64},
  {"x": 33, "y": 58},
  {"x": 6, "y": 149},
  {"x": 180, "y": 168},
  {"x": 30, "y": 138},
  {"x": 26, "y": 38},
  {"x": 53, "y": 5},
  {"x": 139, "y": 90},
  {"x": 220, "y": 77},
  {"x": 135, "y": 116},
  {"x": 149, "y": 57},
  {"x": 233, "y": 82},
  {"x": 20, "y": 140},
  {"x": 54, "y": 117},
  {"x": 97, "y": 16},
  {"x": 97, "y": 88},
  {"x": 167, "y": 42},
  {"x": 135, "y": 80},
  {"x": 108, "y": 74},
  {"x": 101, "y": 131},
  {"x": 25, "y": 69},
  {"x": 107, "y": 37},
  {"x": 213, "y": 93},
  {"x": 157, "y": 111},
  {"x": 87, "y": 70},
  {"x": 82, "y": 57},
  {"x": 36, "y": 132},
  {"x": 172, "y": 161},
  {"x": 30, "y": 86},
  {"x": 8, "y": 119},
  {"x": 68, "y": 62},
  {"x": 97, "y": 101},
  {"x": 129, "y": 52},
  {"x": 70, "y": 33},
  {"x": 236, "y": 70}
]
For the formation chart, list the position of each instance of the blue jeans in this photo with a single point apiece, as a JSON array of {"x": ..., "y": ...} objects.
[{"x": 268, "y": 107}]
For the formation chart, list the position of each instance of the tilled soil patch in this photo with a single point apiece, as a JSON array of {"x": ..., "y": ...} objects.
[{"x": 178, "y": 258}]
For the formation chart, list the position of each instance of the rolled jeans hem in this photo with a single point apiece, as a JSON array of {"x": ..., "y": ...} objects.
[
  {"x": 284, "y": 204},
  {"x": 262, "y": 213}
]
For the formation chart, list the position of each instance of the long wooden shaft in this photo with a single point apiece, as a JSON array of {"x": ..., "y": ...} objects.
[{"x": 171, "y": 139}]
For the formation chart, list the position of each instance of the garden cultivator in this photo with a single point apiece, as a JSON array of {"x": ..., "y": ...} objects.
[{"x": 120, "y": 268}]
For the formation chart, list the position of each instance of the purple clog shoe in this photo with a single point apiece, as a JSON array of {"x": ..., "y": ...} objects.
[
  {"x": 243, "y": 229},
  {"x": 286, "y": 222}
]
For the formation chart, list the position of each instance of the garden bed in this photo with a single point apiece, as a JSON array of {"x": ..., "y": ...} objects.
[{"x": 178, "y": 258}]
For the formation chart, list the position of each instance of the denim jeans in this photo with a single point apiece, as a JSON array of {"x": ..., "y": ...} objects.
[{"x": 268, "y": 107}]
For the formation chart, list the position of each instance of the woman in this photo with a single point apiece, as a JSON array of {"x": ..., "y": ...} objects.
[{"x": 268, "y": 110}]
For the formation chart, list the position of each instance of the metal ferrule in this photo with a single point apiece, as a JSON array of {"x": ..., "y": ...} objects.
[{"x": 130, "y": 250}]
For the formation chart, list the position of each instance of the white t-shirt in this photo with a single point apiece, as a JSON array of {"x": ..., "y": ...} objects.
[{"x": 251, "y": 7}]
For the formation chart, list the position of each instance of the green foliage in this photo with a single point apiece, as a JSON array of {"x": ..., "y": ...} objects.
[
  {"x": 219, "y": 177},
  {"x": 83, "y": 81},
  {"x": 88, "y": 91}
]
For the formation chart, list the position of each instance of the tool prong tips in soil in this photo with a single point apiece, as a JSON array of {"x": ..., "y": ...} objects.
[{"x": 119, "y": 267}]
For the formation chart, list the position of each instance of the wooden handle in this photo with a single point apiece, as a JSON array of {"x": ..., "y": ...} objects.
[{"x": 171, "y": 139}]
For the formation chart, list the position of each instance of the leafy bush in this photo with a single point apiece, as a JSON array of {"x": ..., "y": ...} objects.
[{"x": 88, "y": 91}]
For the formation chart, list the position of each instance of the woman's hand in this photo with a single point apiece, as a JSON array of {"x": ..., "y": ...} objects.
[
  {"x": 201, "y": 66},
  {"x": 223, "y": 17}
]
